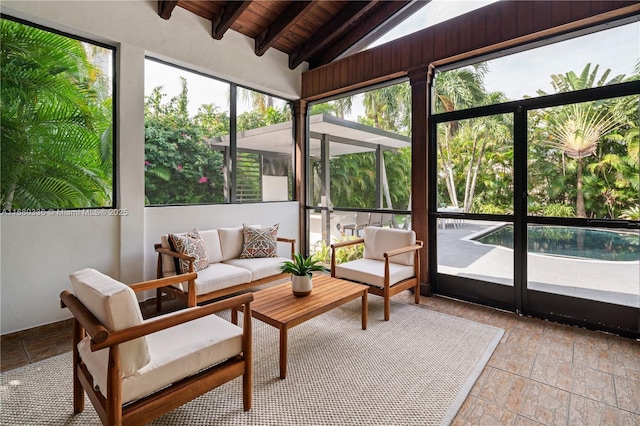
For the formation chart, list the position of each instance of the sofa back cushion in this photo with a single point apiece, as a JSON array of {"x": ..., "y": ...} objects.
[
  {"x": 377, "y": 241},
  {"x": 115, "y": 305},
  {"x": 232, "y": 241},
  {"x": 211, "y": 240}
]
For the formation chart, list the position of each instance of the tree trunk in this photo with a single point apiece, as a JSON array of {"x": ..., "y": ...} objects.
[{"x": 580, "y": 211}]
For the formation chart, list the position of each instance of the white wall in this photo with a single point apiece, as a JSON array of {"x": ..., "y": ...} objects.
[{"x": 37, "y": 253}]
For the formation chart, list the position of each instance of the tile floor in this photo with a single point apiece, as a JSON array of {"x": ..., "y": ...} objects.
[{"x": 541, "y": 372}]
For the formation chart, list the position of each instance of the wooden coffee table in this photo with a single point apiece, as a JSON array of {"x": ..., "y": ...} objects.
[{"x": 277, "y": 306}]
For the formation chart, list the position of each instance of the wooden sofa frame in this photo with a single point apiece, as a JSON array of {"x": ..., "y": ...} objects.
[
  {"x": 142, "y": 411},
  {"x": 189, "y": 297}
]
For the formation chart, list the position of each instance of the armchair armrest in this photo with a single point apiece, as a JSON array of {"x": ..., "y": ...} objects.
[
  {"x": 417, "y": 246},
  {"x": 291, "y": 241},
  {"x": 101, "y": 337},
  {"x": 347, "y": 243},
  {"x": 337, "y": 245}
]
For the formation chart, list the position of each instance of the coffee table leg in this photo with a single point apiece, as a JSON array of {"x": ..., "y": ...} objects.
[
  {"x": 283, "y": 352},
  {"x": 365, "y": 310}
]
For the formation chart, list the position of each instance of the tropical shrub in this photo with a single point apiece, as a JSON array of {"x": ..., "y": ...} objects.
[{"x": 56, "y": 121}]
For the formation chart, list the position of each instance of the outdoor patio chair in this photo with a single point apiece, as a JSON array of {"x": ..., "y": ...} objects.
[
  {"x": 388, "y": 219},
  {"x": 136, "y": 370},
  {"x": 362, "y": 221},
  {"x": 375, "y": 219},
  {"x": 390, "y": 263}
]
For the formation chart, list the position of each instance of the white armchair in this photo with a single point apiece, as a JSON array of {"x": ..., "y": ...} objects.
[
  {"x": 390, "y": 263},
  {"x": 136, "y": 370}
]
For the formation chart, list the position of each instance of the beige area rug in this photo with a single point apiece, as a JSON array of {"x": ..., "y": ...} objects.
[{"x": 416, "y": 369}]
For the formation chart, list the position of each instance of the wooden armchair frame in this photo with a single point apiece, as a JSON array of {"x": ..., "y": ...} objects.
[
  {"x": 389, "y": 290},
  {"x": 189, "y": 297},
  {"x": 142, "y": 411}
]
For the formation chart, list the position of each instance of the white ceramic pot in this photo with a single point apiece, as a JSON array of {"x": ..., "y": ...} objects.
[{"x": 301, "y": 285}]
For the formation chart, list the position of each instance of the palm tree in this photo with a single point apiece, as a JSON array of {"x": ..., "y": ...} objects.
[
  {"x": 576, "y": 129},
  {"x": 56, "y": 136}
]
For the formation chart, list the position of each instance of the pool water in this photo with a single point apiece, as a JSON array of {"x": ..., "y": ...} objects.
[{"x": 586, "y": 243}]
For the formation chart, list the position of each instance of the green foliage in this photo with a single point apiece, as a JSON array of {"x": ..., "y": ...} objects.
[
  {"x": 56, "y": 130},
  {"x": 180, "y": 167},
  {"x": 322, "y": 252},
  {"x": 301, "y": 265},
  {"x": 632, "y": 213},
  {"x": 558, "y": 210}
]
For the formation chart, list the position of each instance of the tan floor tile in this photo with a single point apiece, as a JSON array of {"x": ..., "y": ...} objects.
[
  {"x": 594, "y": 356},
  {"x": 553, "y": 372},
  {"x": 475, "y": 390},
  {"x": 593, "y": 384},
  {"x": 476, "y": 411},
  {"x": 556, "y": 347},
  {"x": 627, "y": 365},
  {"x": 525, "y": 339},
  {"x": 513, "y": 359},
  {"x": 561, "y": 331},
  {"x": 523, "y": 421},
  {"x": 584, "y": 411},
  {"x": 504, "y": 389},
  {"x": 545, "y": 404},
  {"x": 628, "y": 394}
]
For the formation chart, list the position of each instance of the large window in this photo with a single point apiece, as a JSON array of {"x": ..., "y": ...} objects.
[
  {"x": 359, "y": 164},
  {"x": 57, "y": 120},
  {"x": 535, "y": 189},
  {"x": 208, "y": 141}
]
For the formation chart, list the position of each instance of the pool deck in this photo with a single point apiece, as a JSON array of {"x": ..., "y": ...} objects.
[{"x": 608, "y": 281}]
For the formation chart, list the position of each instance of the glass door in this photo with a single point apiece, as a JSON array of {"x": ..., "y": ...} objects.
[
  {"x": 475, "y": 193},
  {"x": 583, "y": 244}
]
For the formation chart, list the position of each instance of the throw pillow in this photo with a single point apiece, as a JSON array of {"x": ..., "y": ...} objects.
[
  {"x": 190, "y": 244},
  {"x": 259, "y": 242}
]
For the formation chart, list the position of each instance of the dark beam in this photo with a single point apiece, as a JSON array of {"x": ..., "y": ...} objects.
[
  {"x": 383, "y": 11},
  {"x": 165, "y": 8},
  {"x": 339, "y": 26},
  {"x": 291, "y": 15},
  {"x": 230, "y": 13}
]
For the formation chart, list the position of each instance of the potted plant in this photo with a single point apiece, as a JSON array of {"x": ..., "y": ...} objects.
[{"x": 301, "y": 267}]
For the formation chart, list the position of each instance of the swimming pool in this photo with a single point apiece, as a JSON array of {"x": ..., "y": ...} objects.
[{"x": 585, "y": 243}]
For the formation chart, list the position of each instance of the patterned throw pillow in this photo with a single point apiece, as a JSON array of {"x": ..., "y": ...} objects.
[
  {"x": 190, "y": 244},
  {"x": 259, "y": 242}
]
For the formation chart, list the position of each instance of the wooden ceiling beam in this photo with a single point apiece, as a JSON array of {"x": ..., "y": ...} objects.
[
  {"x": 337, "y": 27},
  {"x": 165, "y": 8},
  {"x": 383, "y": 11},
  {"x": 221, "y": 23},
  {"x": 273, "y": 32}
]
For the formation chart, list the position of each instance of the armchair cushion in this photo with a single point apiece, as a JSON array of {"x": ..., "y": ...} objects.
[
  {"x": 259, "y": 242},
  {"x": 378, "y": 241},
  {"x": 176, "y": 352},
  {"x": 371, "y": 271},
  {"x": 115, "y": 305},
  {"x": 190, "y": 244}
]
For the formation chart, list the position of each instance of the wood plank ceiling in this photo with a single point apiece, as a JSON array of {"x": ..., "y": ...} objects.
[{"x": 316, "y": 32}]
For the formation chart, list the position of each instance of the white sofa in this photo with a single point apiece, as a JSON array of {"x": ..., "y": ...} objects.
[{"x": 225, "y": 273}]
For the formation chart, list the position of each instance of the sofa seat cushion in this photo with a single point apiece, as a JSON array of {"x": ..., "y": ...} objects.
[
  {"x": 217, "y": 276},
  {"x": 371, "y": 272},
  {"x": 176, "y": 353},
  {"x": 259, "y": 267}
]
